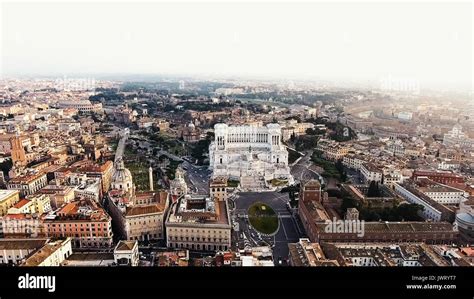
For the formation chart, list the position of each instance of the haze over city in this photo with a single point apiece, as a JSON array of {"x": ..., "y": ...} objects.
[{"x": 429, "y": 43}]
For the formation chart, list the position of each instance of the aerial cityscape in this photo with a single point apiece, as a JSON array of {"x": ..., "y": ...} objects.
[
  {"x": 186, "y": 173},
  {"x": 188, "y": 168}
]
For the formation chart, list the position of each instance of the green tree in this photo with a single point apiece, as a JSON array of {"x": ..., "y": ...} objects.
[
  {"x": 6, "y": 166},
  {"x": 374, "y": 190}
]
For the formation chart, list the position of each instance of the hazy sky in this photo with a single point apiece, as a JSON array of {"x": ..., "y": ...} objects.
[{"x": 428, "y": 42}]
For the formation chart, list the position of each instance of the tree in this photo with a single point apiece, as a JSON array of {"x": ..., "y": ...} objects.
[
  {"x": 199, "y": 149},
  {"x": 293, "y": 137},
  {"x": 374, "y": 190},
  {"x": 342, "y": 172},
  {"x": 311, "y": 131},
  {"x": 292, "y": 193},
  {"x": 409, "y": 212},
  {"x": 155, "y": 129},
  {"x": 210, "y": 136},
  {"x": 5, "y": 166},
  {"x": 306, "y": 142},
  {"x": 348, "y": 202},
  {"x": 317, "y": 153}
]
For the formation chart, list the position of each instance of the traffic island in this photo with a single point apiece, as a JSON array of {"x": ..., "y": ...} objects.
[{"x": 263, "y": 218}]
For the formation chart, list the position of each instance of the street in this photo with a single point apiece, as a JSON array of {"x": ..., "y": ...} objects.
[
  {"x": 122, "y": 143},
  {"x": 301, "y": 171},
  {"x": 197, "y": 177}
]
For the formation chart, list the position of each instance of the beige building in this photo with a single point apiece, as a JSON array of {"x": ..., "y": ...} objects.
[
  {"x": 137, "y": 216},
  {"x": 52, "y": 254},
  {"x": 218, "y": 188},
  {"x": 28, "y": 184},
  {"x": 104, "y": 172},
  {"x": 198, "y": 222},
  {"x": 371, "y": 172},
  {"x": 140, "y": 219},
  {"x": 34, "y": 204},
  {"x": 307, "y": 254},
  {"x": 58, "y": 195},
  {"x": 292, "y": 127},
  {"x": 13, "y": 251},
  {"x": 122, "y": 179},
  {"x": 8, "y": 198},
  {"x": 145, "y": 222},
  {"x": 354, "y": 161},
  {"x": 332, "y": 150}
]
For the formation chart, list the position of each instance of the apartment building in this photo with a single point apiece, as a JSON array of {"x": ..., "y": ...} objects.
[{"x": 28, "y": 184}]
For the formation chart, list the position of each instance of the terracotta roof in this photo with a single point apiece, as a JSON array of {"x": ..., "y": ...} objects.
[
  {"x": 69, "y": 208},
  {"x": 96, "y": 168},
  {"x": 19, "y": 216},
  {"x": 468, "y": 251},
  {"x": 21, "y": 203},
  {"x": 27, "y": 178}
]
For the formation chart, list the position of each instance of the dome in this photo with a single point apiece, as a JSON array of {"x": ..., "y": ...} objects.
[
  {"x": 122, "y": 177},
  {"x": 465, "y": 219}
]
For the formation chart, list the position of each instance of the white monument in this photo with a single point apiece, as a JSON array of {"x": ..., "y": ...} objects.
[{"x": 251, "y": 154}]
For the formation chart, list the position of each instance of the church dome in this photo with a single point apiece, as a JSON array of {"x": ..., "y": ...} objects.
[{"x": 122, "y": 177}]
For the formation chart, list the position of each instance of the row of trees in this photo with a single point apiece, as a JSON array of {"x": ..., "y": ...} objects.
[
  {"x": 402, "y": 212},
  {"x": 374, "y": 190},
  {"x": 200, "y": 149},
  {"x": 304, "y": 142}
]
